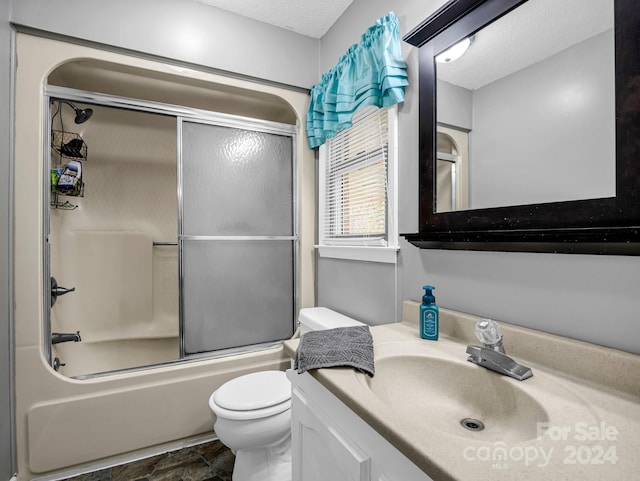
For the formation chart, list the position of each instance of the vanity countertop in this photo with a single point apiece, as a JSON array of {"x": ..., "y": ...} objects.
[{"x": 584, "y": 414}]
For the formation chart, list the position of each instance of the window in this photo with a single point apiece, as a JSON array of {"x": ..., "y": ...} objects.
[{"x": 357, "y": 191}]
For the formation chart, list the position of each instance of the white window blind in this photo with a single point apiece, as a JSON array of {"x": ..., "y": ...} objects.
[{"x": 356, "y": 193}]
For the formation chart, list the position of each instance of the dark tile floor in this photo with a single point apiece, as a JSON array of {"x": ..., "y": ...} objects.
[{"x": 205, "y": 462}]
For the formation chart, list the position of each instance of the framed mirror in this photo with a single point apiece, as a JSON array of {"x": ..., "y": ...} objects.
[{"x": 530, "y": 138}]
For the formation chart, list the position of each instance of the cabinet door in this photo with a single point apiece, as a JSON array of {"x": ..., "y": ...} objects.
[{"x": 321, "y": 451}]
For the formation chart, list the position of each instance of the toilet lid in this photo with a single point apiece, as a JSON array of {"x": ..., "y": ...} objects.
[{"x": 257, "y": 390}]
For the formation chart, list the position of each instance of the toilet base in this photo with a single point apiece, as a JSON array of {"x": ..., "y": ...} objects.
[{"x": 267, "y": 463}]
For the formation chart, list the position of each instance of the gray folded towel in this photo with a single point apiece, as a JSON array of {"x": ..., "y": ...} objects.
[{"x": 343, "y": 346}]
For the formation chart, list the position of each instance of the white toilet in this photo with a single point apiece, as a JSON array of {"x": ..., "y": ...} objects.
[{"x": 253, "y": 412}]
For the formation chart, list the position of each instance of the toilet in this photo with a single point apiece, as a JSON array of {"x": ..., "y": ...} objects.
[{"x": 253, "y": 412}]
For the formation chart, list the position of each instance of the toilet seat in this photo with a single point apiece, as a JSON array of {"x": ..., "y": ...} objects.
[
  {"x": 248, "y": 415},
  {"x": 252, "y": 396}
]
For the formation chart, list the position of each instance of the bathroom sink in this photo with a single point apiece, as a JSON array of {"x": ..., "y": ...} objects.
[{"x": 440, "y": 393}]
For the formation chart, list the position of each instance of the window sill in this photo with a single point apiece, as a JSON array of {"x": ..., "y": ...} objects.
[{"x": 387, "y": 255}]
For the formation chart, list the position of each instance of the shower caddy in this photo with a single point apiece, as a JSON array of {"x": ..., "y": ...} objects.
[{"x": 65, "y": 146}]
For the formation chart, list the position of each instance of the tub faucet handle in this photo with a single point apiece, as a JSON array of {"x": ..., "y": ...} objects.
[{"x": 57, "y": 291}]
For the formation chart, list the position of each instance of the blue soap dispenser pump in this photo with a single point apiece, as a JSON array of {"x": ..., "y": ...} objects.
[{"x": 429, "y": 322}]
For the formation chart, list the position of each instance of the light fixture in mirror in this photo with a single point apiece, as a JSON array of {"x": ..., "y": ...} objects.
[
  {"x": 535, "y": 95},
  {"x": 454, "y": 53}
]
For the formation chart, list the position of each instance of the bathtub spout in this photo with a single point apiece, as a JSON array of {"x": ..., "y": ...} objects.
[{"x": 58, "y": 337}]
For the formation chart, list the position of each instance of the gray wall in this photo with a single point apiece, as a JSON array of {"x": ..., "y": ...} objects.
[
  {"x": 593, "y": 298},
  {"x": 6, "y": 352},
  {"x": 455, "y": 105},
  {"x": 365, "y": 291},
  {"x": 190, "y": 32},
  {"x": 550, "y": 126}
]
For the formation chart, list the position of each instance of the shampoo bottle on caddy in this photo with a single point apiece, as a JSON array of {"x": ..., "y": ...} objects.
[{"x": 429, "y": 322}]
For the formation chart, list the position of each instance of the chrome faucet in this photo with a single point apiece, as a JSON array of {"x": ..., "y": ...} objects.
[{"x": 492, "y": 354}]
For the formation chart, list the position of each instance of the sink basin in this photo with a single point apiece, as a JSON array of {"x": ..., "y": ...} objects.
[{"x": 440, "y": 393}]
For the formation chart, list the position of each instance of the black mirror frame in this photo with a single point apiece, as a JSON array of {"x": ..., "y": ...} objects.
[{"x": 594, "y": 226}]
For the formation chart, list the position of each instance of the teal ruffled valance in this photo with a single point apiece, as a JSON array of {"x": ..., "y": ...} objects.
[{"x": 371, "y": 72}]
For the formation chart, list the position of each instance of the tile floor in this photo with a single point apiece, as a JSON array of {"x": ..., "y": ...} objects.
[{"x": 205, "y": 462}]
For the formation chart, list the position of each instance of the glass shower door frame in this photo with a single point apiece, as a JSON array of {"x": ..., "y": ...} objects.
[
  {"x": 180, "y": 113},
  {"x": 261, "y": 126}
]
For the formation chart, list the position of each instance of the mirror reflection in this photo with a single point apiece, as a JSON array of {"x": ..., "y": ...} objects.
[{"x": 526, "y": 113}]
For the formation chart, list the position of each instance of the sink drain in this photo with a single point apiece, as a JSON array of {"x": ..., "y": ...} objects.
[{"x": 472, "y": 424}]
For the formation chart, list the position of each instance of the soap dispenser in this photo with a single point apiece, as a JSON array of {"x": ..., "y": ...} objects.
[{"x": 429, "y": 322}]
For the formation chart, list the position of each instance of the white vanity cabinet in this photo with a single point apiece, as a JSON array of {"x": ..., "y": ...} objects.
[{"x": 331, "y": 442}]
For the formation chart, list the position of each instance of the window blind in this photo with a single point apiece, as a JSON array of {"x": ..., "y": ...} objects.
[{"x": 356, "y": 191}]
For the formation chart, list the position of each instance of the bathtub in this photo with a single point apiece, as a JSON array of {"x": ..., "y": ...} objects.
[{"x": 65, "y": 424}]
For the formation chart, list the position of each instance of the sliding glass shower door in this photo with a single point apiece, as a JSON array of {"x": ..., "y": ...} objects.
[{"x": 237, "y": 235}]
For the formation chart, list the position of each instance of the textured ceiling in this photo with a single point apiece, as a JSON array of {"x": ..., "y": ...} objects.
[
  {"x": 536, "y": 30},
  {"x": 308, "y": 17}
]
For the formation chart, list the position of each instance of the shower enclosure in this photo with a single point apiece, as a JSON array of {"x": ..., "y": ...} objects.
[{"x": 179, "y": 239}]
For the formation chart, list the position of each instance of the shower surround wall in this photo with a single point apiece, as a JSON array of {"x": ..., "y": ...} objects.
[
  {"x": 65, "y": 425},
  {"x": 125, "y": 303}
]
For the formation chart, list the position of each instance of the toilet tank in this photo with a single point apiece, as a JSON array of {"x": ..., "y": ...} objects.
[{"x": 318, "y": 318}]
